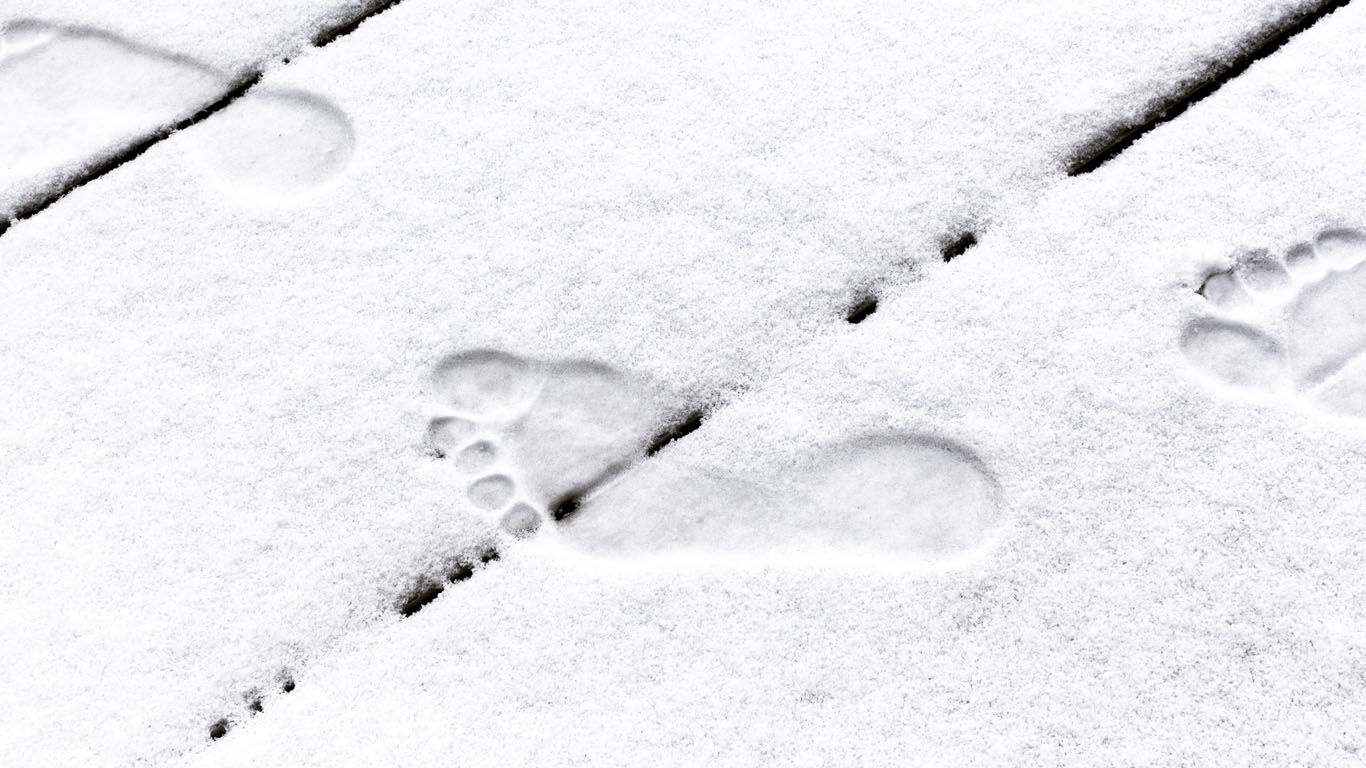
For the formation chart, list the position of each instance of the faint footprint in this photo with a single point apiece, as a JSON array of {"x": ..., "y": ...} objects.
[
  {"x": 1292, "y": 328},
  {"x": 276, "y": 142},
  {"x": 893, "y": 494},
  {"x": 73, "y": 98},
  {"x": 570, "y": 429},
  {"x": 71, "y": 95},
  {"x": 531, "y": 432}
]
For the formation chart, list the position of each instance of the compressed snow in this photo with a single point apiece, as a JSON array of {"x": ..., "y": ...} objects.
[
  {"x": 241, "y": 452},
  {"x": 71, "y": 94},
  {"x": 1177, "y": 583},
  {"x": 81, "y": 82}
]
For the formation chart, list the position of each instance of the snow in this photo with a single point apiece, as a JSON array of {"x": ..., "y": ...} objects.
[{"x": 276, "y": 383}]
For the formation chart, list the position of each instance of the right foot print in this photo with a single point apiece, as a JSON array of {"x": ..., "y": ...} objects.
[{"x": 1292, "y": 328}]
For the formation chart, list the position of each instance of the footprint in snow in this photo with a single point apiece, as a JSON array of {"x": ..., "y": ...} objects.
[
  {"x": 77, "y": 96},
  {"x": 275, "y": 144},
  {"x": 531, "y": 433},
  {"x": 1293, "y": 328},
  {"x": 549, "y": 444}
]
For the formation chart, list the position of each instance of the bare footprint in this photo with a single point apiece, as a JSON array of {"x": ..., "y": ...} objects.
[
  {"x": 569, "y": 432},
  {"x": 1292, "y": 328},
  {"x": 73, "y": 95},
  {"x": 278, "y": 143},
  {"x": 536, "y": 431},
  {"x": 894, "y": 495}
]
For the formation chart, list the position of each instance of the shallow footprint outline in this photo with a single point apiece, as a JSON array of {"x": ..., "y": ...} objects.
[
  {"x": 891, "y": 494},
  {"x": 1291, "y": 329},
  {"x": 78, "y": 96},
  {"x": 579, "y": 425}
]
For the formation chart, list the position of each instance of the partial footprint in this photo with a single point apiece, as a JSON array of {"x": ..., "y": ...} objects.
[
  {"x": 894, "y": 495},
  {"x": 70, "y": 95},
  {"x": 1292, "y": 328},
  {"x": 277, "y": 143},
  {"x": 536, "y": 432}
]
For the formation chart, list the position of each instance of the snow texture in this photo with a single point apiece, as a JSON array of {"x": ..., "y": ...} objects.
[{"x": 1091, "y": 493}]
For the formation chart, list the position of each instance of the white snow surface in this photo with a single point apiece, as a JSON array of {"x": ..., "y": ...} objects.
[{"x": 1047, "y": 505}]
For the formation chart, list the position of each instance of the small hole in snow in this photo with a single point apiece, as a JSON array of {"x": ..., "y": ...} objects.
[
  {"x": 255, "y": 704},
  {"x": 287, "y": 686},
  {"x": 959, "y": 246},
  {"x": 219, "y": 729},
  {"x": 567, "y": 505},
  {"x": 861, "y": 310}
]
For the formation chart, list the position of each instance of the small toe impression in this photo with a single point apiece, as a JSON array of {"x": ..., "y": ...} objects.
[
  {"x": 474, "y": 457},
  {"x": 1263, "y": 273},
  {"x": 492, "y": 492},
  {"x": 1224, "y": 289},
  {"x": 446, "y": 434},
  {"x": 486, "y": 383},
  {"x": 522, "y": 521},
  {"x": 1341, "y": 248},
  {"x": 1235, "y": 354},
  {"x": 1299, "y": 261}
]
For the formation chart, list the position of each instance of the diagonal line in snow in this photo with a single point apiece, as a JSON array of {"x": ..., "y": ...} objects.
[
  {"x": 103, "y": 164},
  {"x": 1102, "y": 149}
]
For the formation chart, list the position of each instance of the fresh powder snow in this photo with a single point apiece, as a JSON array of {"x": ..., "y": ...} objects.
[{"x": 624, "y": 384}]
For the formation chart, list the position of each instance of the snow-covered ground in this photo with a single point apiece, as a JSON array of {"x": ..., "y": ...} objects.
[{"x": 335, "y": 421}]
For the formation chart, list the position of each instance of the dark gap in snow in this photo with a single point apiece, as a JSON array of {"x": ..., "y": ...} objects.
[
  {"x": 1106, "y": 147},
  {"x": 288, "y": 685},
  {"x": 569, "y": 503},
  {"x": 862, "y": 308},
  {"x": 459, "y": 573},
  {"x": 428, "y": 588},
  {"x": 119, "y": 157},
  {"x": 348, "y": 25},
  {"x": 219, "y": 729},
  {"x": 958, "y": 247},
  {"x": 101, "y": 165},
  {"x": 254, "y": 703},
  {"x": 423, "y": 593},
  {"x": 680, "y": 429},
  {"x": 566, "y": 505}
]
